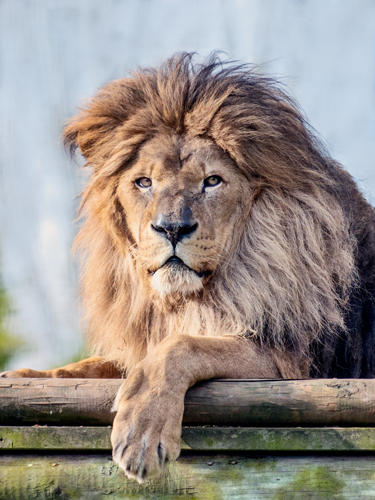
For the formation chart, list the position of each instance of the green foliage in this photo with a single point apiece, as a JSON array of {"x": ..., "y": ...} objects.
[{"x": 9, "y": 344}]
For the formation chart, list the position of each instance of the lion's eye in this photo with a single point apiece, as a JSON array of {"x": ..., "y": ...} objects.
[
  {"x": 212, "y": 181},
  {"x": 144, "y": 182}
]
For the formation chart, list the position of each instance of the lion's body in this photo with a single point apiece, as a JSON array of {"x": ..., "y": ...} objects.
[
  {"x": 220, "y": 239},
  {"x": 303, "y": 234}
]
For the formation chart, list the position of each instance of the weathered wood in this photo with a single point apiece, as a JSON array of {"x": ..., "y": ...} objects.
[
  {"x": 218, "y": 402},
  {"x": 57, "y": 401},
  {"x": 55, "y": 438},
  {"x": 209, "y": 477},
  {"x": 216, "y": 463},
  {"x": 198, "y": 439}
]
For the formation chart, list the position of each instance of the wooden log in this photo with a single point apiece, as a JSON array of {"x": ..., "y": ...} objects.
[
  {"x": 57, "y": 401},
  {"x": 197, "y": 439},
  {"x": 208, "y": 477},
  {"x": 265, "y": 403}
]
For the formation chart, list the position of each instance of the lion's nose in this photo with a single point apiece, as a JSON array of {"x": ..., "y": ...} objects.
[{"x": 174, "y": 231}]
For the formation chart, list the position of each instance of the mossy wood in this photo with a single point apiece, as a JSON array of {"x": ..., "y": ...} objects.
[
  {"x": 263, "y": 403},
  {"x": 194, "y": 476},
  {"x": 197, "y": 439},
  {"x": 280, "y": 452}
]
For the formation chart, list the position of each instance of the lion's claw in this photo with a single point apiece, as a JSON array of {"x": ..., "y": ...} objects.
[{"x": 141, "y": 462}]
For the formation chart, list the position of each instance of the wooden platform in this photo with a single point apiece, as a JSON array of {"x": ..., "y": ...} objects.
[{"x": 243, "y": 439}]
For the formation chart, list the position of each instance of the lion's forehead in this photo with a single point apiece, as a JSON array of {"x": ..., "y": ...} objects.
[{"x": 166, "y": 158}]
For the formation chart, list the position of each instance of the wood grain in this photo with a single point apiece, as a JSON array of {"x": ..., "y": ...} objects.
[{"x": 265, "y": 403}]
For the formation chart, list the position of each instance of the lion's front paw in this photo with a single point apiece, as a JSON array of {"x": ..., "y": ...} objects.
[
  {"x": 147, "y": 429},
  {"x": 12, "y": 374},
  {"x": 23, "y": 373}
]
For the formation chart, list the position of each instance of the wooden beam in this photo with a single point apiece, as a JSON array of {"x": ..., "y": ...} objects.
[
  {"x": 265, "y": 403},
  {"x": 204, "y": 477},
  {"x": 197, "y": 439}
]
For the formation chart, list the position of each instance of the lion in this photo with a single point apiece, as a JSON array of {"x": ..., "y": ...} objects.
[{"x": 220, "y": 240}]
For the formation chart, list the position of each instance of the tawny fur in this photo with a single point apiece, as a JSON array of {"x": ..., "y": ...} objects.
[{"x": 288, "y": 277}]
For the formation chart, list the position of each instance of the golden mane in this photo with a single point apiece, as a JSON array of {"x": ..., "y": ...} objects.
[{"x": 287, "y": 282}]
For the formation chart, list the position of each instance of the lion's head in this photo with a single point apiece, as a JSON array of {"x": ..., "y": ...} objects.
[
  {"x": 183, "y": 199},
  {"x": 212, "y": 209}
]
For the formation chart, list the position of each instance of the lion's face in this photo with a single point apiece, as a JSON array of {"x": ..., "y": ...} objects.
[{"x": 184, "y": 202}]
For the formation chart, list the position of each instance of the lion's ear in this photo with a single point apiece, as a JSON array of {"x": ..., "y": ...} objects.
[
  {"x": 93, "y": 134},
  {"x": 70, "y": 136},
  {"x": 95, "y": 130}
]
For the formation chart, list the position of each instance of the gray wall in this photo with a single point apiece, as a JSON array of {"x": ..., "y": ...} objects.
[{"x": 53, "y": 53}]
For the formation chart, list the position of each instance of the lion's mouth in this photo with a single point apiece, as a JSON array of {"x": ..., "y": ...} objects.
[
  {"x": 172, "y": 261},
  {"x": 176, "y": 277},
  {"x": 176, "y": 263}
]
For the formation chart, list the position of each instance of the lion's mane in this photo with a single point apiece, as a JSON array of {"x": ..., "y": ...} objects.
[{"x": 288, "y": 281}]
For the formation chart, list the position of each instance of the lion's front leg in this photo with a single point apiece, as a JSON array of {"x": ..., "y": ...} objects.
[
  {"x": 147, "y": 428},
  {"x": 94, "y": 367}
]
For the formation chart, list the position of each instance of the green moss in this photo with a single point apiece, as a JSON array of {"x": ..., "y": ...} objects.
[
  {"x": 262, "y": 464},
  {"x": 64, "y": 438},
  {"x": 318, "y": 483}
]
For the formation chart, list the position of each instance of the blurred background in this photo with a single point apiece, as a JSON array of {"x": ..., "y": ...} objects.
[{"x": 55, "y": 53}]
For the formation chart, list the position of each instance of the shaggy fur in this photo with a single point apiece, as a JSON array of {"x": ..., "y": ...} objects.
[{"x": 301, "y": 275}]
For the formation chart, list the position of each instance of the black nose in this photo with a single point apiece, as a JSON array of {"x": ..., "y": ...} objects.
[{"x": 174, "y": 231}]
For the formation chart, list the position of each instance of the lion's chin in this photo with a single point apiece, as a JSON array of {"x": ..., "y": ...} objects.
[{"x": 173, "y": 279}]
